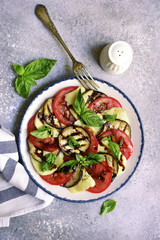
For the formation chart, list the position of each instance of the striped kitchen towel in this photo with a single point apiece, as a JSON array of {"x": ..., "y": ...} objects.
[{"x": 18, "y": 193}]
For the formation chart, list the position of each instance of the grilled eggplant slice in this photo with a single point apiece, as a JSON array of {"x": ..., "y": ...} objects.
[
  {"x": 49, "y": 116},
  {"x": 37, "y": 153},
  {"x": 91, "y": 95},
  {"x": 85, "y": 182},
  {"x": 39, "y": 120},
  {"x": 112, "y": 163},
  {"x": 79, "y": 134},
  {"x": 76, "y": 177},
  {"x": 117, "y": 124},
  {"x": 121, "y": 163}
]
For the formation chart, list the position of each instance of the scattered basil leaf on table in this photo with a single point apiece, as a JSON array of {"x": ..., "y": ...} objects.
[
  {"x": 18, "y": 69},
  {"x": 33, "y": 71},
  {"x": 108, "y": 206},
  {"x": 22, "y": 87},
  {"x": 73, "y": 142},
  {"x": 110, "y": 117},
  {"x": 42, "y": 132},
  {"x": 49, "y": 162}
]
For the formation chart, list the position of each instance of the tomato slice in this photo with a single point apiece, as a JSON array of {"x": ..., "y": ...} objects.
[
  {"x": 117, "y": 135},
  {"x": 102, "y": 175},
  {"x": 94, "y": 142},
  {"x": 103, "y": 103},
  {"x": 60, "y": 108},
  {"x": 57, "y": 178},
  {"x": 49, "y": 144}
]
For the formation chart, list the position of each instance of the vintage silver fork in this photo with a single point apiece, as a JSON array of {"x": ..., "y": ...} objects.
[{"x": 79, "y": 69}]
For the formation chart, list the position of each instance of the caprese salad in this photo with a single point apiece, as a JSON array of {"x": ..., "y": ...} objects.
[{"x": 80, "y": 139}]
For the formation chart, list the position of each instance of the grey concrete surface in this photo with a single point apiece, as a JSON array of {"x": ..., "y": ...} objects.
[{"x": 86, "y": 27}]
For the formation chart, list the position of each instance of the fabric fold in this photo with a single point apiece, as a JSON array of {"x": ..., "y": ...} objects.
[{"x": 18, "y": 193}]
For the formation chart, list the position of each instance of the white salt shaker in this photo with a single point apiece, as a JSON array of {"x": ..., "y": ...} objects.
[{"x": 115, "y": 58}]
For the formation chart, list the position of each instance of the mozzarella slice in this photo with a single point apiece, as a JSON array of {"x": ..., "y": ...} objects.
[
  {"x": 85, "y": 182},
  {"x": 120, "y": 112},
  {"x": 70, "y": 97}
]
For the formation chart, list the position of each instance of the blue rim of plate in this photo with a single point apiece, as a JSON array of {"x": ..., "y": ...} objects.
[{"x": 118, "y": 188}]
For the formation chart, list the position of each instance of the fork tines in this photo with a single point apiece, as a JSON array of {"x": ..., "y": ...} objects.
[{"x": 85, "y": 78}]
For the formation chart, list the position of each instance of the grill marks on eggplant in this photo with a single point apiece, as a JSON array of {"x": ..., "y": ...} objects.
[
  {"x": 91, "y": 95},
  {"x": 117, "y": 124},
  {"x": 112, "y": 163},
  {"x": 37, "y": 153},
  {"x": 79, "y": 134},
  {"x": 49, "y": 116}
]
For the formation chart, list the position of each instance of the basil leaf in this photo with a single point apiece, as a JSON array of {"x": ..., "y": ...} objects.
[
  {"x": 91, "y": 118},
  {"x": 39, "y": 69},
  {"x": 108, "y": 206},
  {"x": 93, "y": 158},
  {"x": 49, "y": 162},
  {"x": 107, "y": 138},
  {"x": 32, "y": 72},
  {"x": 18, "y": 69},
  {"x": 80, "y": 159},
  {"x": 89, "y": 159},
  {"x": 114, "y": 147},
  {"x": 30, "y": 81},
  {"x": 68, "y": 166},
  {"x": 42, "y": 132},
  {"x": 110, "y": 117},
  {"x": 73, "y": 143},
  {"x": 79, "y": 103},
  {"x": 96, "y": 156},
  {"x": 121, "y": 142},
  {"x": 23, "y": 88}
]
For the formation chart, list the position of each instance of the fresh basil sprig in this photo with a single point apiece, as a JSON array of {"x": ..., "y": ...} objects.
[
  {"x": 110, "y": 118},
  {"x": 49, "y": 162},
  {"x": 86, "y": 161},
  {"x": 87, "y": 116},
  {"x": 108, "y": 206},
  {"x": 73, "y": 142},
  {"x": 68, "y": 166},
  {"x": 28, "y": 75},
  {"x": 42, "y": 132}
]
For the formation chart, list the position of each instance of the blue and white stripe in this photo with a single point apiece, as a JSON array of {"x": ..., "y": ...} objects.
[{"x": 18, "y": 193}]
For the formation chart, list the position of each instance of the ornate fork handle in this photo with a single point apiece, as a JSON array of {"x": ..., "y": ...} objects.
[
  {"x": 79, "y": 69},
  {"x": 42, "y": 14}
]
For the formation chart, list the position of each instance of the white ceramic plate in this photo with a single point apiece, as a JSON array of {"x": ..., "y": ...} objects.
[{"x": 132, "y": 163}]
